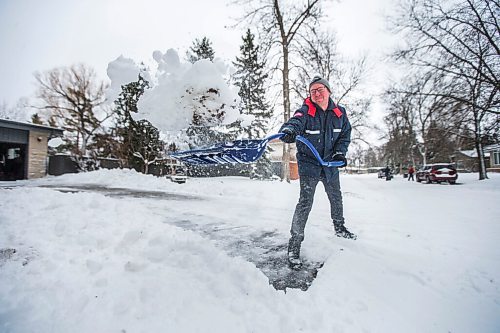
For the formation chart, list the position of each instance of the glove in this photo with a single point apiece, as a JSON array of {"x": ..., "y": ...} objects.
[
  {"x": 289, "y": 136},
  {"x": 339, "y": 158}
]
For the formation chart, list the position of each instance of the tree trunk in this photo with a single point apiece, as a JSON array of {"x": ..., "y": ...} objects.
[
  {"x": 482, "y": 166},
  {"x": 288, "y": 27},
  {"x": 478, "y": 144},
  {"x": 423, "y": 152},
  {"x": 285, "y": 167}
]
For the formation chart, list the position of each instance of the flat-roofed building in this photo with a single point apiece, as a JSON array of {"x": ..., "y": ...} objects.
[{"x": 24, "y": 149}]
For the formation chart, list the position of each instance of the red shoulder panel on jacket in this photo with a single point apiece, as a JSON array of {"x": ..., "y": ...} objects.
[
  {"x": 311, "y": 108},
  {"x": 337, "y": 112}
]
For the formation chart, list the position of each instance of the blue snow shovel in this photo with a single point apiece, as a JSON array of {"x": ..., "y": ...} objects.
[{"x": 240, "y": 151}]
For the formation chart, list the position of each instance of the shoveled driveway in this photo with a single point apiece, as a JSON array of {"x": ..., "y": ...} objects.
[{"x": 264, "y": 248}]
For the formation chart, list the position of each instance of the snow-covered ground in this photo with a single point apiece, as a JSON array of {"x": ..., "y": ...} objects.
[{"x": 117, "y": 251}]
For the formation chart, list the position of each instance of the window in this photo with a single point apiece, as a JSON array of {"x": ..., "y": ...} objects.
[{"x": 496, "y": 157}]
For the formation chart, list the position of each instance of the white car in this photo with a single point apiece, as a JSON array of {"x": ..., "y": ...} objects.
[{"x": 179, "y": 176}]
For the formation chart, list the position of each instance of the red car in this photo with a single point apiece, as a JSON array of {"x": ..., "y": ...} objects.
[{"x": 438, "y": 172}]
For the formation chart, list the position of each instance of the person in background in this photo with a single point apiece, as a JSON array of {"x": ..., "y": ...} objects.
[
  {"x": 411, "y": 171},
  {"x": 388, "y": 173},
  {"x": 326, "y": 126}
]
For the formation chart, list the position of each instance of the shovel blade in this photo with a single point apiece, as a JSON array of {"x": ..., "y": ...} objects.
[
  {"x": 241, "y": 151},
  {"x": 235, "y": 152}
]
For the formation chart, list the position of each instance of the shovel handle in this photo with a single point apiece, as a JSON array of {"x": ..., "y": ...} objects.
[{"x": 309, "y": 145}]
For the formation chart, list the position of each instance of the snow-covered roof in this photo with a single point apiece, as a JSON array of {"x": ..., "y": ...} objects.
[
  {"x": 472, "y": 153},
  {"x": 54, "y": 131}
]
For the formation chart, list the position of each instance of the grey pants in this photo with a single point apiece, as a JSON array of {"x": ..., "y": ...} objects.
[{"x": 303, "y": 208}]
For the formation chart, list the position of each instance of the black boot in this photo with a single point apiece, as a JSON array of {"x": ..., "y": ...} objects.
[
  {"x": 294, "y": 254},
  {"x": 341, "y": 231}
]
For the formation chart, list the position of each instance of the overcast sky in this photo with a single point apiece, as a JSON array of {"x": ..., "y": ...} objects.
[{"x": 40, "y": 35}]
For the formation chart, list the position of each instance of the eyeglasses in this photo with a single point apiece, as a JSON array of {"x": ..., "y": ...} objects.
[{"x": 317, "y": 91}]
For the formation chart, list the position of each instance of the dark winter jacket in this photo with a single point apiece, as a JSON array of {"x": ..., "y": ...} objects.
[{"x": 329, "y": 131}]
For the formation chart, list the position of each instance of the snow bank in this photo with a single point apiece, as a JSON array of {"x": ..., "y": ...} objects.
[{"x": 426, "y": 257}]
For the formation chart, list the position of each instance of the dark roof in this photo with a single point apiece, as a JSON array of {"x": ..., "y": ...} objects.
[{"x": 52, "y": 131}]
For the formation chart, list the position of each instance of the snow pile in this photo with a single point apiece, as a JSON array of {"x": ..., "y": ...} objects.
[
  {"x": 75, "y": 258},
  {"x": 180, "y": 94}
]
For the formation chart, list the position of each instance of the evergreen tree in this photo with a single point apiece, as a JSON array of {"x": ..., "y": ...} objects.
[
  {"x": 145, "y": 145},
  {"x": 35, "y": 119},
  {"x": 202, "y": 131},
  {"x": 201, "y": 49},
  {"x": 138, "y": 142},
  {"x": 250, "y": 78},
  {"x": 125, "y": 104}
]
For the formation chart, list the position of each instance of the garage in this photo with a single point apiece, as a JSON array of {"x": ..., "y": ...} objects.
[{"x": 23, "y": 149}]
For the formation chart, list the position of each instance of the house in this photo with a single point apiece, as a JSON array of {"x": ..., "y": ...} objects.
[
  {"x": 23, "y": 149},
  {"x": 494, "y": 153},
  {"x": 467, "y": 161}
]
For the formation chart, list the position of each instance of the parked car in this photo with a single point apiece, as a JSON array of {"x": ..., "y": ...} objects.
[
  {"x": 381, "y": 173},
  {"x": 437, "y": 172},
  {"x": 385, "y": 173},
  {"x": 179, "y": 176}
]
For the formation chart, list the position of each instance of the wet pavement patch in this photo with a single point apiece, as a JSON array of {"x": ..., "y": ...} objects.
[
  {"x": 121, "y": 192},
  {"x": 266, "y": 249}
]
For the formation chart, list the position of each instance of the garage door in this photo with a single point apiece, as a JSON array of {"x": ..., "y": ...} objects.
[{"x": 13, "y": 149}]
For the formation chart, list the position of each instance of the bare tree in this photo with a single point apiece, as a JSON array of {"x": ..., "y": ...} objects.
[
  {"x": 412, "y": 102},
  {"x": 17, "y": 112},
  {"x": 278, "y": 25},
  {"x": 459, "y": 42},
  {"x": 400, "y": 136},
  {"x": 318, "y": 55},
  {"x": 4, "y": 110},
  {"x": 72, "y": 97}
]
